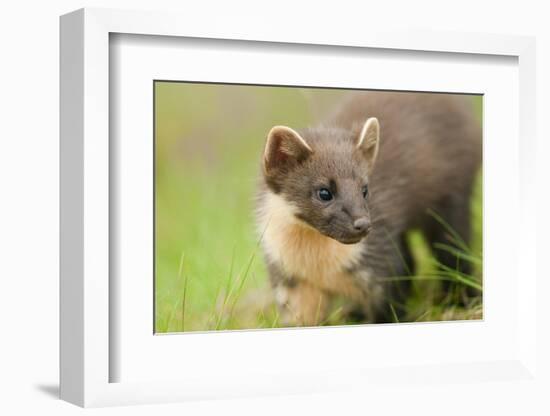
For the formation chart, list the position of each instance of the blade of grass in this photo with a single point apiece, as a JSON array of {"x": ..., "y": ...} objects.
[
  {"x": 422, "y": 316},
  {"x": 416, "y": 277},
  {"x": 245, "y": 274},
  {"x": 318, "y": 311},
  {"x": 394, "y": 315},
  {"x": 455, "y": 237},
  {"x": 183, "y": 302},
  {"x": 228, "y": 290},
  {"x": 398, "y": 251},
  {"x": 177, "y": 287},
  {"x": 336, "y": 313},
  {"x": 458, "y": 253},
  {"x": 241, "y": 285},
  {"x": 466, "y": 281},
  {"x": 461, "y": 277},
  {"x": 275, "y": 322}
]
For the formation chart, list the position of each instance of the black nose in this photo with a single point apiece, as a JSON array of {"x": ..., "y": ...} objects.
[{"x": 361, "y": 224}]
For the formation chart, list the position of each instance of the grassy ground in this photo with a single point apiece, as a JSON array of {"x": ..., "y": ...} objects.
[{"x": 209, "y": 269}]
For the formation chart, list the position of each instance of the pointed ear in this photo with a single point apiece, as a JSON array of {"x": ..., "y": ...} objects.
[
  {"x": 284, "y": 148},
  {"x": 368, "y": 140}
]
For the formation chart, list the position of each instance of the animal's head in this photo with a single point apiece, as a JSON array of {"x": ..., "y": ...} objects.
[{"x": 324, "y": 175}]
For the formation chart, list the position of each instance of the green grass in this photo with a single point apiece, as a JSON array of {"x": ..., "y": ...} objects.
[{"x": 209, "y": 268}]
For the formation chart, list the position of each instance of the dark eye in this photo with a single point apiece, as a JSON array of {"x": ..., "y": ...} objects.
[
  {"x": 365, "y": 191},
  {"x": 324, "y": 194}
]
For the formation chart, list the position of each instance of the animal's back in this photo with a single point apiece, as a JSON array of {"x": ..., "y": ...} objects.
[{"x": 430, "y": 149}]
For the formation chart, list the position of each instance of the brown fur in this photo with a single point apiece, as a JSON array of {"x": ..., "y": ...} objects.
[{"x": 428, "y": 154}]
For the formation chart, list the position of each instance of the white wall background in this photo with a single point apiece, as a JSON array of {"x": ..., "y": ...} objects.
[{"x": 29, "y": 183}]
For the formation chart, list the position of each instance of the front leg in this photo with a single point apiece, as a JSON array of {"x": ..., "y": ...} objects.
[
  {"x": 299, "y": 302},
  {"x": 368, "y": 304}
]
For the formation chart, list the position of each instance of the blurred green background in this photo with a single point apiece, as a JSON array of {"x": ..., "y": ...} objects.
[{"x": 209, "y": 269}]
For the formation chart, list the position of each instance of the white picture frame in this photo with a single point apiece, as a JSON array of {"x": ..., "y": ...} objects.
[{"x": 87, "y": 356}]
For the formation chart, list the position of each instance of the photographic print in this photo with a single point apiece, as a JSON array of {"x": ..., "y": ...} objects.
[{"x": 282, "y": 207}]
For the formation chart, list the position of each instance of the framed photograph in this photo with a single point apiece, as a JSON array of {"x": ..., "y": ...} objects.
[
  {"x": 342, "y": 242},
  {"x": 265, "y": 212}
]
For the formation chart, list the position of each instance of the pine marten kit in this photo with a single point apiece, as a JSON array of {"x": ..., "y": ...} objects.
[{"x": 337, "y": 199}]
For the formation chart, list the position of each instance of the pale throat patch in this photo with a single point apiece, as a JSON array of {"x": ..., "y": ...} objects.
[{"x": 302, "y": 251}]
